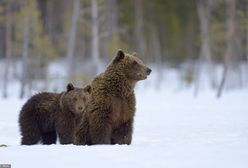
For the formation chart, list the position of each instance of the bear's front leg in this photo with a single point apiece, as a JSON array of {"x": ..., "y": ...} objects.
[
  {"x": 123, "y": 134},
  {"x": 81, "y": 133},
  {"x": 100, "y": 128},
  {"x": 65, "y": 134}
]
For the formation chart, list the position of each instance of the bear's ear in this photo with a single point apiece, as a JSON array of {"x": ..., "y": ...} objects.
[
  {"x": 70, "y": 87},
  {"x": 120, "y": 55},
  {"x": 88, "y": 89},
  {"x": 135, "y": 54}
]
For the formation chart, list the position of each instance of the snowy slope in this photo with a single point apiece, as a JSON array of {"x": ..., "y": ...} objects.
[{"x": 172, "y": 130}]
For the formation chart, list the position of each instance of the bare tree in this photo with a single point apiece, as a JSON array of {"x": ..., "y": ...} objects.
[
  {"x": 8, "y": 51},
  {"x": 231, "y": 9},
  {"x": 95, "y": 36},
  {"x": 72, "y": 39},
  {"x": 139, "y": 25},
  {"x": 112, "y": 29},
  {"x": 111, "y": 16},
  {"x": 247, "y": 35},
  {"x": 49, "y": 19},
  {"x": 156, "y": 49},
  {"x": 25, "y": 52},
  {"x": 203, "y": 9}
]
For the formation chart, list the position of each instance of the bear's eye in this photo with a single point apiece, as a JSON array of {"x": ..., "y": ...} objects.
[
  {"x": 74, "y": 99},
  {"x": 135, "y": 63}
]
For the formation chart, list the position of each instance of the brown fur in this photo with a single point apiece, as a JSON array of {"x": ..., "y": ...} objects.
[
  {"x": 109, "y": 116},
  {"x": 46, "y": 115}
]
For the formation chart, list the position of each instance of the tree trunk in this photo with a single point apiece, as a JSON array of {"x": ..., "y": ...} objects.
[
  {"x": 112, "y": 29},
  {"x": 49, "y": 19},
  {"x": 139, "y": 25},
  {"x": 25, "y": 48},
  {"x": 155, "y": 51},
  {"x": 247, "y": 41},
  {"x": 229, "y": 43},
  {"x": 95, "y": 36},
  {"x": 8, "y": 51},
  {"x": 72, "y": 39},
  {"x": 203, "y": 9},
  {"x": 111, "y": 16}
]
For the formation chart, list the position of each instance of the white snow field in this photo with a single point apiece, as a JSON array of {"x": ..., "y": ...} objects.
[{"x": 172, "y": 130}]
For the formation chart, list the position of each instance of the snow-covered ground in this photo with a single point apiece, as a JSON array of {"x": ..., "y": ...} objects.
[{"x": 172, "y": 130}]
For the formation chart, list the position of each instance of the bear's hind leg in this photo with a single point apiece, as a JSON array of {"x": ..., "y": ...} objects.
[
  {"x": 30, "y": 133},
  {"x": 49, "y": 138},
  {"x": 30, "y": 139}
]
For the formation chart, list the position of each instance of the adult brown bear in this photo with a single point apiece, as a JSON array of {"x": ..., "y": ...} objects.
[{"x": 109, "y": 116}]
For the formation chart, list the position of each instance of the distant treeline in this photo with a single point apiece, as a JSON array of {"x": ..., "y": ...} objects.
[{"x": 160, "y": 31}]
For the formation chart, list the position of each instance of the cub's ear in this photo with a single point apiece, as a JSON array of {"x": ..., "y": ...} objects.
[
  {"x": 135, "y": 54},
  {"x": 88, "y": 89},
  {"x": 70, "y": 87},
  {"x": 120, "y": 55}
]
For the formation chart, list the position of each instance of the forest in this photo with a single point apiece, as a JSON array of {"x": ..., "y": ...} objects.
[
  {"x": 198, "y": 38},
  {"x": 190, "y": 112}
]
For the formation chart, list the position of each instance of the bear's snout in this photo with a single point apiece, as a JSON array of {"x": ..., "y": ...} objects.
[{"x": 148, "y": 71}]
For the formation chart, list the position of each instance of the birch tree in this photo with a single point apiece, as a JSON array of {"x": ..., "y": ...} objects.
[
  {"x": 25, "y": 52},
  {"x": 203, "y": 9},
  {"x": 246, "y": 28},
  {"x": 8, "y": 47},
  {"x": 230, "y": 22},
  {"x": 72, "y": 39},
  {"x": 95, "y": 36},
  {"x": 138, "y": 29},
  {"x": 111, "y": 34}
]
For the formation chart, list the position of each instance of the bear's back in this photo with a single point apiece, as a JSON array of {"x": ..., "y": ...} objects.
[{"x": 41, "y": 108}]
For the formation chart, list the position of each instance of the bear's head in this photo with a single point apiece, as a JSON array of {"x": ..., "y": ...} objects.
[
  {"x": 76, "y": 99},
  {"x": 132, "y": 67}
]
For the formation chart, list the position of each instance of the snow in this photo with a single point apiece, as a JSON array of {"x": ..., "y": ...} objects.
[{"x": 172, "y": 129}]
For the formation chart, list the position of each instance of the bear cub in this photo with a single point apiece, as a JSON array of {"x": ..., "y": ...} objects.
[{"x": 47, "y": 115}]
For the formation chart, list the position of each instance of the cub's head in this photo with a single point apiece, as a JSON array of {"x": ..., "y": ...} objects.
[
  {"x": 76, "y": 99},
  {"x": 132, "y": 67}
]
